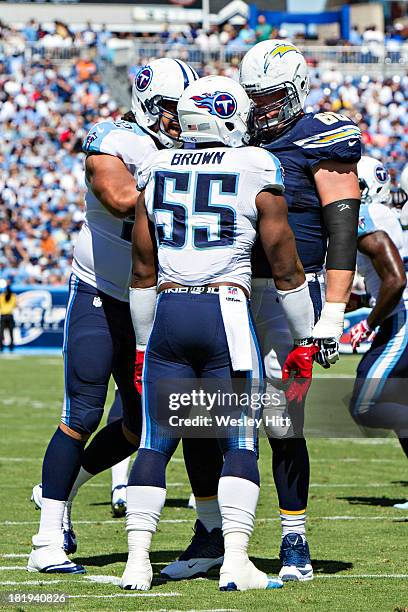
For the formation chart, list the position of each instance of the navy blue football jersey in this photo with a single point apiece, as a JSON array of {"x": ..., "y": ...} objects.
[{"x": 312, "y": 139}]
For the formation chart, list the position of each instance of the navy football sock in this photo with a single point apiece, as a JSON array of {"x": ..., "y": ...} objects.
[
  {"x": 116, "y": 410},
  {"x": 291, "y": 472},
  {"x": 61, "y": 465},
  {"x": 241, "y": 463},
  {"x": 107, "y": 448},
  {"x": 198, "y": 452},
  {"x": 149, "y": 469}
]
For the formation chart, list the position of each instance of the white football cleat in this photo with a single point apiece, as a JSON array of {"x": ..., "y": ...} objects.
[
  {"x": 205, "y": 551},
  {"x": 51, "y": 559},
  {"x": 243, "y": 576},
  {"x": 70, "y": 544},
  {"x": 137, "y": 576},
  {"x": 401, "y": 506}
]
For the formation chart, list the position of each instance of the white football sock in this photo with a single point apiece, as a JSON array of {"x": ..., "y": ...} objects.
[
  {"x": 66, "y": 519},
  {"x": 293, "y": 523},
  {"x": 236, "y": 547},
  {"x": 49, "y": 532},
  {"x": 237, "y": 498},
  {"x": 120, "y": 473},
  {"x": 144, "y": 506},
  {"x": 81, "y": 479},
  {"x": 208, "y": 512}
]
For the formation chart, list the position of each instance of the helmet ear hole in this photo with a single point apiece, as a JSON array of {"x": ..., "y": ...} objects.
[{"x": 229, "y": 125}]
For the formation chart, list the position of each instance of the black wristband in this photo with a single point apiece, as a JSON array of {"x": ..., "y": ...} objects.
[{"x": 341, "y": 222}]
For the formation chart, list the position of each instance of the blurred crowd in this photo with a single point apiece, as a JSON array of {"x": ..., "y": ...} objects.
[
  {"x": 47, "y": 109},
  {"x": 45, "y": 112}
]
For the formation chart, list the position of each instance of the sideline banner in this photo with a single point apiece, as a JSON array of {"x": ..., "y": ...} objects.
[{"x": 39, "y": 316}]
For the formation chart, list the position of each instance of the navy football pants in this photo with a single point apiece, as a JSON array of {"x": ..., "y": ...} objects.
[
  {"x": 380, "y": 391},
  {"x": 188, "y": 342},
  {"x": 98, "y": 342}
]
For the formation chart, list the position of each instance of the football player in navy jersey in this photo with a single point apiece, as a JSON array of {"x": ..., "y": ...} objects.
[{"x": 318, "y": 154}]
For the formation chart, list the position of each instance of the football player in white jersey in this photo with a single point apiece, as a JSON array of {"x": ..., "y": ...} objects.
[
  {"x": 198, "y": 217},
  {"x": 379, "y": 397},
  {"x": 318, "y": 153},
  {"x": 98, "y": 334},
  {"x": 400, "y": 203}
]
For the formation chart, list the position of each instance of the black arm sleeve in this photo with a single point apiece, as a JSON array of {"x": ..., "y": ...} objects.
[{"x": 341, "y": 222}]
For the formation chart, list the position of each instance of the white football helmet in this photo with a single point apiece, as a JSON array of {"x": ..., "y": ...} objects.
[
  {"x": 215, "y": 109},
  {"x": 374, "y": 181},
  {"x": 156, "y": 90},
  {"x": 275, "y": 75}
]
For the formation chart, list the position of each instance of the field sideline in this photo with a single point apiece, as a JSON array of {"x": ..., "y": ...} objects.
[{"x": 357, "y": 540}]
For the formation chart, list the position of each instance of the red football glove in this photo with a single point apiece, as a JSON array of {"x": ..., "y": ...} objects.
[
  {"x": 300, "y": 363},
  {"x": 359, "y": 332},
  {"x": 139, "y": 361}
]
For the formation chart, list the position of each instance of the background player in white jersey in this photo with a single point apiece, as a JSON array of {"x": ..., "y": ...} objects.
[
  {"x": 318, "y": 153},
  {"x": 98, "y": 334},
  {"x": 204, "y": 207},
  {"x": 400, "y": 204},
  {"x": 379, "y": 397}
]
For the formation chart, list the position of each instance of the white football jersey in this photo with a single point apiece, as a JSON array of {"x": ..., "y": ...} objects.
[
  {"x": 377, "y": 217},
  {"x": 202, "y": 204},
  {"x": 402, "y": 215},
  {"x": 102, "y": 254}
]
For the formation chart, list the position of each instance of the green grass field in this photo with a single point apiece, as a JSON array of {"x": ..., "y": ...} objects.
[{"x": 358, "y": 541}]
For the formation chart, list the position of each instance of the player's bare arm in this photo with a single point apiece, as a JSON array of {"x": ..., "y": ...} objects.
[
  {"x": 337, "y": 182},
  {"x": 278, "y": 241},
  {"x": 389, "y": 266},
  {"x": 112, "y": 184},
  {"x": 143, "y": 248}
]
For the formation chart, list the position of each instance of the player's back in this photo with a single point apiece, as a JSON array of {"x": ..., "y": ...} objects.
[
  {"x": 202, "y": 203},
  {"x": 378, "y": 217}
]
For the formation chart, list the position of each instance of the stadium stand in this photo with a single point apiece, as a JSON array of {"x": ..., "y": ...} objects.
[{"x": 52, "y": 90}]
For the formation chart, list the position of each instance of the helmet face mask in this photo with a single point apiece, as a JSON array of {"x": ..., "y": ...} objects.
[
  {"x": 167, "y": 122},
  {"x": 276, "y": 108}
]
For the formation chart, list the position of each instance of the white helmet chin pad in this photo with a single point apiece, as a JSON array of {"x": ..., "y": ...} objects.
[
  {"x": 215, "y": 109},
  {"x": 374, "y": 181},
  {"x": 161, "y": 81}
]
